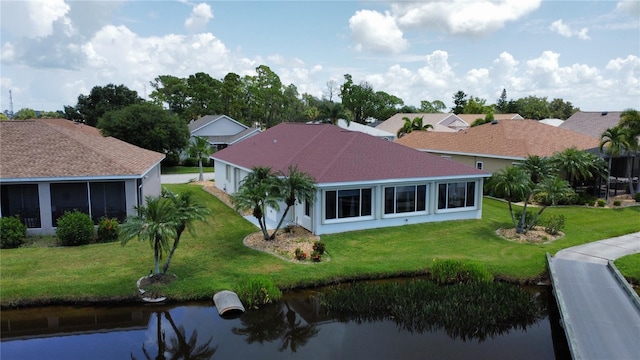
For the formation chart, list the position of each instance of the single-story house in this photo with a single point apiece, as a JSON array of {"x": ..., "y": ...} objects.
[
  {"x": 496, "y": 145},
  {"x": 471, "y": 118},
  {"x": 221, "y": 130},
  {"x": 441, "y": 122},
  {"x": 363, "y": 181},
  {"x": 50, "y": 166}
]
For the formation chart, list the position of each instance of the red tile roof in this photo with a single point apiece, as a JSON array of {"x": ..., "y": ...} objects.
[
  {"x": 49, "y": 148},
  {"x": 331, "y": 154},
  {"x": 507, "y": 138}
]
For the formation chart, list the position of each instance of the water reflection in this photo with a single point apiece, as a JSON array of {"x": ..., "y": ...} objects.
[{"x": 294, "y": 328}]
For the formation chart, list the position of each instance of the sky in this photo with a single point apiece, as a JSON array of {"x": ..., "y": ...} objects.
[{"x": 584, "y": 52}]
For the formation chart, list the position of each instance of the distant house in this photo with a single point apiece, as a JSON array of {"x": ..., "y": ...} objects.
[
  {"x": 441, "y": 122},
  {"x": 50, "y": 166},
  {"x": 494, "y": 146},
  {"x": 221, "y": 130},
  {"x": 471, "y": 118},
  {"x": 363, "y": 181},
  {"x": 354, "y": 126}
]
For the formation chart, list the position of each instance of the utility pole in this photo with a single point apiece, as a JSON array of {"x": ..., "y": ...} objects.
[{"x": 10, "y": 105}]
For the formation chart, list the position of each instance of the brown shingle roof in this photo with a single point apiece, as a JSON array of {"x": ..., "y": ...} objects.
[
  {"x": 331, "y": 154},
  {"x": 51, "y": 148},
  {"x": 470, "y": 118},
  {"x": 507, "y": 138},
  {"x": 592, "y": 123},
  {"x": 439, "y": 121}
]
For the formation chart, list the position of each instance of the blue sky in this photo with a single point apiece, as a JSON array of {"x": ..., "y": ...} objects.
[{"x": 585, "y": 52}]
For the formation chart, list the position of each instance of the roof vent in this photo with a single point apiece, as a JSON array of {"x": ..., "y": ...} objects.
[
  {"x": 604, "y": 113},
  {"x": 494, "y": 122}
]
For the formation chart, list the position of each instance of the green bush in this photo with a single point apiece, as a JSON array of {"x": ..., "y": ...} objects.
[
  {"x": 601, "y": 203},
  {"x": 190, "y": 162},
  {"x": 553, "y": 224},
  {"x": 258, "y": 291},
  {"x": 107, "y": 230},
  {"x": 316, "y": 256},
  {"x": 638, "y": 197},
  {"x": 530, "y": 218},
  {"x": 12, "y": 232},
  {"x": 617, "y": 203},
  {"x": 299, "y": 254},
  {"x": 75, "y": 228},
  {"x": 319, "y": 247},
  {"x": 453, "y": 271}
]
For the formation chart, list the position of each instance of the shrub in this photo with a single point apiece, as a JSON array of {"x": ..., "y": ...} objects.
[
  {"x": 554, "y": 224},
  {"x": 316, "y": 256},
  {"x": 12, "y": 232},
  {"x": 585, "y": 199},
  {"x": 319, "y": 247},
  {"x": 601, "y": 202},
  {"x": 75, "y": 228},
  {"x": 190, "y": 162},
  {"x": 454, "y": 271},
  {"x": 529, "y": 220},
  {"x": 107, "y": 230},
  {"x": 172, "y": 159},
  {"x": 258, "y": 291},
  {"x": 638, "y": 197},
  {"x": 617, "y": 203},
  {"x": 300, "y": 255}
]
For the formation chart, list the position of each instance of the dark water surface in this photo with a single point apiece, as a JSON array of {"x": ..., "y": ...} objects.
[{"x": 291, "y": 329}]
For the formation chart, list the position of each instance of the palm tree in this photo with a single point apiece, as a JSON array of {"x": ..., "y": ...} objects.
[
  {"x": 539, "y": 168},
  {"x": 181, "y": 348},
  {"x": 555, "y": 188},
  {"x": 156, "y": 222},
  {"x": 613, "y": 142},
  {"x": 259, "y": 189},
  {"x": 576, "y": 164},
  {"x": 412, "y": 125},
  {"x": 187, "y": 212},
  {"x": 334, "y": 112},
  {"x": 200, "y": 148},
  {"x": 630, "y": 119},
  {"x": 512, "y": 183},
  {"x": 297, "y": 185}
]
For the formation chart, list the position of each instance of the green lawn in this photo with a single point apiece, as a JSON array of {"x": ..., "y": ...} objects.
[
  {"x": 216, "y": 259},
  {"x": 168, "y": 170}
]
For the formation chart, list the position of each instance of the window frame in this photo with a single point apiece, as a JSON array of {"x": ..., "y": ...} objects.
[
  {"x": 362, "y": 202},
  {"x": 468, "y": 186},
  {"x": 416, "y": 203}
]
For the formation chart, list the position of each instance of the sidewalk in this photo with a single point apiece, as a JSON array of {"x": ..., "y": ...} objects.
[
  {"x": 602, "y": 251},
  {"x": 183, "y": 178}
]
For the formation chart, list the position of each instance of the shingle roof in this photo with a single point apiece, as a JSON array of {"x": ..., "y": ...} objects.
[
  {"x": 49, "y": 148},
  {"x": 592, "y": 123},
  {"x": 470, "y": 118},
  {"x": 507, "y": 138},
  {"x": 394, "y": 123},
  {"x": 207, "y": 119},
  {"x": 331, "y": 154}
]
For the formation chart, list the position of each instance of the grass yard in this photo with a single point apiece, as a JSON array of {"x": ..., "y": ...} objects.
[
  {"x": 216, "y": 259},
  {"x": 169, "y": 170}
]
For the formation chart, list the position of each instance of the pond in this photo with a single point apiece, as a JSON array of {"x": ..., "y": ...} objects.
[{"x": 293, "y": 328}]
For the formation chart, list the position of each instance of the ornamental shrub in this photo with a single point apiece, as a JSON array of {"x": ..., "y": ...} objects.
[
  {"x": 258, "y": 291},
  {"x": 191, "y": 162},
  {"x": 319, "y": 247},
  {"x": 299, "y": 254},
  {"x": 75, "y": 228},
  {"x": 638, "y": 197},
  {"x": 107, "y": 230},
  {"x": 12, "y": 232},
  {"x": 617, "y": 203},
  {"x": 601, "y": 203},
  {"x": 316, "y": 256},
  {"x": 553, "y": 224}
]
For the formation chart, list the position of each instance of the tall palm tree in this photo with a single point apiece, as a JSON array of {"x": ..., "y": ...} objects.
[
  {"x": 297, "y": 185},
  {"x": 187, "y": 212},
  {"x": 259, "y": 189},
  {"x": 539, "y": 168},
  {"x": 200, "y": 148},
  {"x": 412, "y": 125},
  {"x": 333, "y": 112},
  {"x": 576, "y": 164},
  {"x": 512, "y": 183},
  {"x": 156, "y": 222},
  {"x": 614, "y": 141}
]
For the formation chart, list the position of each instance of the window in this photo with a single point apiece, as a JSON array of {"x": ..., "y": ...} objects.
[
  {"x": 108, "y": 200},
  {"x": 22, "y": 200},
  {"x": 479, "y": 165},
  {"x": 68, "y": 197},
  {"x": 227, "y": 169},
  {"x": 307, "y": 208},
  {"x": 456, "y": 195},
  {"x": 340, "y": 204},
  {"x": 403, "y": 199}
]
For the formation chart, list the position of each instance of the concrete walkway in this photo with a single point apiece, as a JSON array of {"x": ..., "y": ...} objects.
[
  {"x": 600, "y": 252},
  {"x": 183, "y": 178}
]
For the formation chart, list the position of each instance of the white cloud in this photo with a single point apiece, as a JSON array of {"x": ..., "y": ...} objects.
[
  {"x": 200, "y": 16},
  {"x": 563, "y": 29},
  {"x": 32, "y": 19},
  {"x": 462, "y": 16},
  {"x": 631, "y": 7},
  {"x": 373, "y": 31}
]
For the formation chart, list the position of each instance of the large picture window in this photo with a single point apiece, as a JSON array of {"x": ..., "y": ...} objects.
[
  {"x": 67, "y": 197},
  {"x": 22, "y": 200},
  {"x": 456, "y": 195},
  {"x": 403, "y": 199},
  {"x": 340, "y": 204}
]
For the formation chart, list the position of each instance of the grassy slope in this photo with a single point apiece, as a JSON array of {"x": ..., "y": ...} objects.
[{"x": 216, "y": 259}]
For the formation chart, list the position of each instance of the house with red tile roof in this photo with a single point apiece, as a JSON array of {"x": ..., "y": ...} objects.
[
  {"x": 221, "y": 130},
  {"x": 50, "y": 166},
  {"x": 363, "y": 181},
  {"x": 494, "y": 146}
]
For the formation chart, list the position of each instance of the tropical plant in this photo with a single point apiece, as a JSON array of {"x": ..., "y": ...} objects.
[
  {"x": 75, "y": 228},
  {"x": 12, "y": 232},
  {"x": 412, "y": 125},
  {"x": 296, "y": 186},
  {"x": 513, "y": 184},
  {"x": 576, "y": 164},
  {"x": 187, "y": 211},
  {"x": 538, "y": 167},
  {"x": 555, "y": 189},
  {"x": 107, "y": 230},
  {"x": 333, "y": 112},
  {"x": 200, "y": 148},
  {"x": 614, "y": 141},
  {"x": 156, "y": 222},
  {"x": 630, "y": 119},
  {"x": 260, "y": 189}
]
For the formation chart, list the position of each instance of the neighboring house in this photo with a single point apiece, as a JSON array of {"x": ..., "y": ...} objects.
[
  {"x": 471, "y": 118},
  {"x": 552, "y": 121},
  {"x": 221, "y": 130},
  {"x": 363, "y": 181},
  {"x": 495, "y": 146},
  {"x": 354, "y": 126},
  {"x": 50, "y": 166},
  {"x": 441, "y": 122}
]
